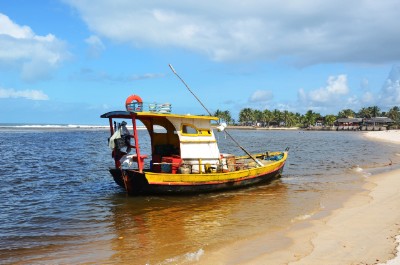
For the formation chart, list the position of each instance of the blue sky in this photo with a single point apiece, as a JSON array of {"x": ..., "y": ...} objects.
[{"x": 69, "y": 61}]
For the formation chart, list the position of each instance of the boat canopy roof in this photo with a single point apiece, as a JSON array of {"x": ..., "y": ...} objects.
[{"x": 127, "y": 115}]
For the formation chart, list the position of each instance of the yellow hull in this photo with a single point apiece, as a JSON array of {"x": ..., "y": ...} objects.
[
  {"x": 137, "y": 183},
  {"x": 209, "y": 178}
]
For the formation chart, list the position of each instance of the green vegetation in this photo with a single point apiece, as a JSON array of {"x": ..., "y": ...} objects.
[{"x": 277, "y": 118}]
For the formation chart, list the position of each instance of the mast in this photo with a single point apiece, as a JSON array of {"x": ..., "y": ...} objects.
[{"x": 230, "y": 136}]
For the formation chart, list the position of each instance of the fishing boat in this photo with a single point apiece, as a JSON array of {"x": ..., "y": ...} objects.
[
  {"x": 185, "y": 157},
  {"x": 184, "y": 154}
]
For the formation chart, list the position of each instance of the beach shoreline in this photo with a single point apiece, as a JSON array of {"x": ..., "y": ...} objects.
[
  {"x": 364, "y": 230},
  {"x": 392, "y": 136}
]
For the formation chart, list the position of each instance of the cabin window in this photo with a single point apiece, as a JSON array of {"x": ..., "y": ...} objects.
[
  {"x": 159, "y": 129},
  {"x": 190, "y": 130},
  {"x": 205, "y": 132}
]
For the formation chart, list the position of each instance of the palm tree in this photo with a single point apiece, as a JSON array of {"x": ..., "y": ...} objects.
[
  {"x": 267, "y": 117},
  {"x": 394, "y": 114},
  {"x": 346, "y": 113},
  {"x": 218, "y": 114},
  {"x": 277, "y": 116},
  {"x": 299, "y": 118},
  {"x": 246, "y": 116},
  {"x": 227, "y": 116},
  {"x": 375, "y": 110},
  {"x": 330, "y": 119},
  {"x": 250, "y": 116},
  {"x": 258, "y": 116},
  {"x": 364, "y": 113},
  {"x": 309, "y": 118},
  {"x": 290, "y": 119},
  {"x": 223, "y": 115}
]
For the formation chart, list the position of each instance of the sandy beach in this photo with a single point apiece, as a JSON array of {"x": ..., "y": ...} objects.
[
  {"x": 387, "y": 136},
  {"x": 362, "y": 231}
]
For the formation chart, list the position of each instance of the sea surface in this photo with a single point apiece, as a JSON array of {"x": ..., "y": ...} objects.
[{"x": 60, "y": 205}]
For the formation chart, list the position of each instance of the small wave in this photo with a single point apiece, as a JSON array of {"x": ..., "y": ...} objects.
[
  {"x": 306, "y": 216},
  {"x": 34, "y": 126},
  {"x": 396, "y": 259},
  {"x": 357, "y": 168},
  {"x": 194, "y": 256},
  {"x": 302, "y": 217},
  {"x": 191, "y": 256},
  {"x": 87, "y": 126},
  {"x": 360, "y": 170},
  {"x": 58, "y": 126},
  {"x": 51, "y": 126}
]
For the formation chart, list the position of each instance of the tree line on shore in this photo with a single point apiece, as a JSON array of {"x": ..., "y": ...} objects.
[{"x": 278, "y": 118}]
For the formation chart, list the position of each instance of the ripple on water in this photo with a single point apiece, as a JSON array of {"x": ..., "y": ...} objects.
[{"x": 59, "y": 202}]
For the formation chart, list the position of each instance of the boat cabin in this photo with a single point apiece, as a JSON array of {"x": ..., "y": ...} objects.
[{"x": 174, "y": 139}]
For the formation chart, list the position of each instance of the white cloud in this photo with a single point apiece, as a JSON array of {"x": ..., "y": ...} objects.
[
  {"x": 13, "y": 30},
  {"x": 96, "y": 46},
  {"x": 368, "y": 98},
  {"x": 364, "y": 84},
  {"x": 33, "y": 55},
  {"x": 390, "y": 92},
  {"x": 311, "y": 32},
  {"x": 27, "y": 94},
  {"x": 352, "y": 101},
  {"x": 302, "y": 95},
  {"x": 261, "y": 96},
  {"x": 336, "y": 95},
  {"x": 87, "y": 74},
  {"x": 336, "y": 87},
  {"x": 333, "y": 97}
]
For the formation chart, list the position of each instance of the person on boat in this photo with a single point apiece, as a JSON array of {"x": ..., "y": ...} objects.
[{"x": 120, "y": 139}]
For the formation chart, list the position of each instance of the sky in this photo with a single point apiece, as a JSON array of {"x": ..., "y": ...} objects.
[{"x": 69, "y": 61}]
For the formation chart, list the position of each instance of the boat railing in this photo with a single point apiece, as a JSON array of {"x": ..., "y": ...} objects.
[
  {"x": 211, "y": 168},
  {"x": 150, "y": 107}
]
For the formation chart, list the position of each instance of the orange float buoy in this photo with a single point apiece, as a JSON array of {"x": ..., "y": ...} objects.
[{"x": 134, "y": 103}]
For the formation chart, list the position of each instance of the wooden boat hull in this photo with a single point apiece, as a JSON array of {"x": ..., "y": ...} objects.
[{"x": 137, "y": 183}]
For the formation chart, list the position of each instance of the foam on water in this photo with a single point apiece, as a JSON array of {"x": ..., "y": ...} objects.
[
  {"x": 304, "y": 216},
  {"x": 183, "y": 259},
  {"x": 49, "y": 126},
  {"x": 56, "y": 126},
  {"x": 396, "y": 259}
]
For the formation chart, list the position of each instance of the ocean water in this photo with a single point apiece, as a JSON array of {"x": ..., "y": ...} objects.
[{"x": 60, "y": 205}]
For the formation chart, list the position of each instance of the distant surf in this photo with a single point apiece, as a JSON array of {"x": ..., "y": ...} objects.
[
  {"x": 8, "y": 125},
  {"x": 54, "y": 126}
]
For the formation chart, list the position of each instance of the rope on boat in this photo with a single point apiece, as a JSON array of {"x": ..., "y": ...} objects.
[{"x": 230, "y": 136}]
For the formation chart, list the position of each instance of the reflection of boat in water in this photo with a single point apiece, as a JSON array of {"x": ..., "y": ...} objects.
[
  {"x": 184, "y": 158},
  {"x": 150, "y": 230}
]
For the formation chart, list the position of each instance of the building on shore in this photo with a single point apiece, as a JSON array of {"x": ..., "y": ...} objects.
[
  {"x": 376, "y": 123},
  {"x": 366, "y": 124},
  {"x": 348, "y": 124}
]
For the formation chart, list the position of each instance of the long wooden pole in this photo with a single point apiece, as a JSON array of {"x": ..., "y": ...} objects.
[{"x": 209, "y": 113}]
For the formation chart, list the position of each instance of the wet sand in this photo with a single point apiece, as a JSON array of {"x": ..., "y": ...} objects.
[{"x": 362, "y": 231}]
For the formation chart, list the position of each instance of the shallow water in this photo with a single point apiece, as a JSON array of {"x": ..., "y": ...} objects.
[{"x": 60, "y": 205}]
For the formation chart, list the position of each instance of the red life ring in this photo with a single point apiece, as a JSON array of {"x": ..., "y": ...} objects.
[{"x": 134, "y": 103}]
